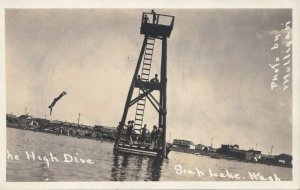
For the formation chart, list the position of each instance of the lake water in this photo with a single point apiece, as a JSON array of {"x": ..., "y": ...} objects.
[{"x": 105, "y": 166}]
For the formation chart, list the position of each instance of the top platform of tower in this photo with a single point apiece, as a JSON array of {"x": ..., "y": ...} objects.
[{"x": 157, "y": 25}]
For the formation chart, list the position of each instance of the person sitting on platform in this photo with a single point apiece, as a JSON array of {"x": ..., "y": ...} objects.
[
  {"x": 168, "y": 150},
  {"x": 143, "y": 133},
  {"x": 155, "y": 79},
  {"x": 153, "y": 136},
  {"x": 129, "y": 132}
]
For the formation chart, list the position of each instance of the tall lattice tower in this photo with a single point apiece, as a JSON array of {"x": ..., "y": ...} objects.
[{"x": 153, "y": 29}]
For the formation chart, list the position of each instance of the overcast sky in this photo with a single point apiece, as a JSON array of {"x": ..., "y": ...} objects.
[{"x": 218, "y": 71}]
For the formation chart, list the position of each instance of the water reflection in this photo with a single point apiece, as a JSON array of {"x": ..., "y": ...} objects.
[
  {"x": 154, "y": 168},
  {"x": 109, "y": 166},
  {"x": 135, "y": 168},
  {"x": 138, "y": 169},
  {"x": 119, "y": 167}
]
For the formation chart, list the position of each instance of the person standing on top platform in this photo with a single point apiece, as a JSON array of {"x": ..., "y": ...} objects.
[
  {"x": 146, "y": 19},
  {"x": 154, "y": 16}
]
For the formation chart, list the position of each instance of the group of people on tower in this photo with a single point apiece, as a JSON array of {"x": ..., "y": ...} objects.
[
  {"x": 154, "y": 19},
  {"x": 156, "y": 135}
]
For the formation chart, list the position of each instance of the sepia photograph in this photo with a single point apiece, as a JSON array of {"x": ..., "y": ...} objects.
[{"x": 149, "y": 94}]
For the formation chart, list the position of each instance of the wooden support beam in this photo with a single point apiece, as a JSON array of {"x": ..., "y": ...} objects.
[
  {"x": 138, "y": 98},
  {"x": 157, "y": 109},
  {"x": 146, "y": 90},
  {"x": 164, "y": 91}
]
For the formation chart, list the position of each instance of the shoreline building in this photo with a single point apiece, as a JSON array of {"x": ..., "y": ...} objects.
[
  {"x": 234, "y": 151},
  {"x": 183, "y": 145}
]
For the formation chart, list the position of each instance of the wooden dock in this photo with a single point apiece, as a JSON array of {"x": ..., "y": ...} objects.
[{"x": 138, "y": 149}]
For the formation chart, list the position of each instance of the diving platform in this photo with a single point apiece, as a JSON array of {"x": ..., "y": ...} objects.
[
  {"x": 149, "y": 85},
  {"x": 161, "y": 25},
  {"x": 138, "y": 149}
]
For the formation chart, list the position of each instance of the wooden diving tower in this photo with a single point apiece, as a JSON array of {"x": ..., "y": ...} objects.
[{"x": 153, "y": 30}]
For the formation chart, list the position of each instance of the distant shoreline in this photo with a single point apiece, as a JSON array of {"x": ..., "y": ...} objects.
[
  {"x": 74, "y": 136},
  {"x": 212, "y": 155}
]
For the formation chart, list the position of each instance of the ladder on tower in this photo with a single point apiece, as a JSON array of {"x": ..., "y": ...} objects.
[{"x": 145, "y": 75}]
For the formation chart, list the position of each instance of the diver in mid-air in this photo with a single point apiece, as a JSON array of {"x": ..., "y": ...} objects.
[{"x": 55, "y": 100}]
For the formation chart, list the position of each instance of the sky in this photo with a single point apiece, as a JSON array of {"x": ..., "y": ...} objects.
[{"x": 219, "y": 77}]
